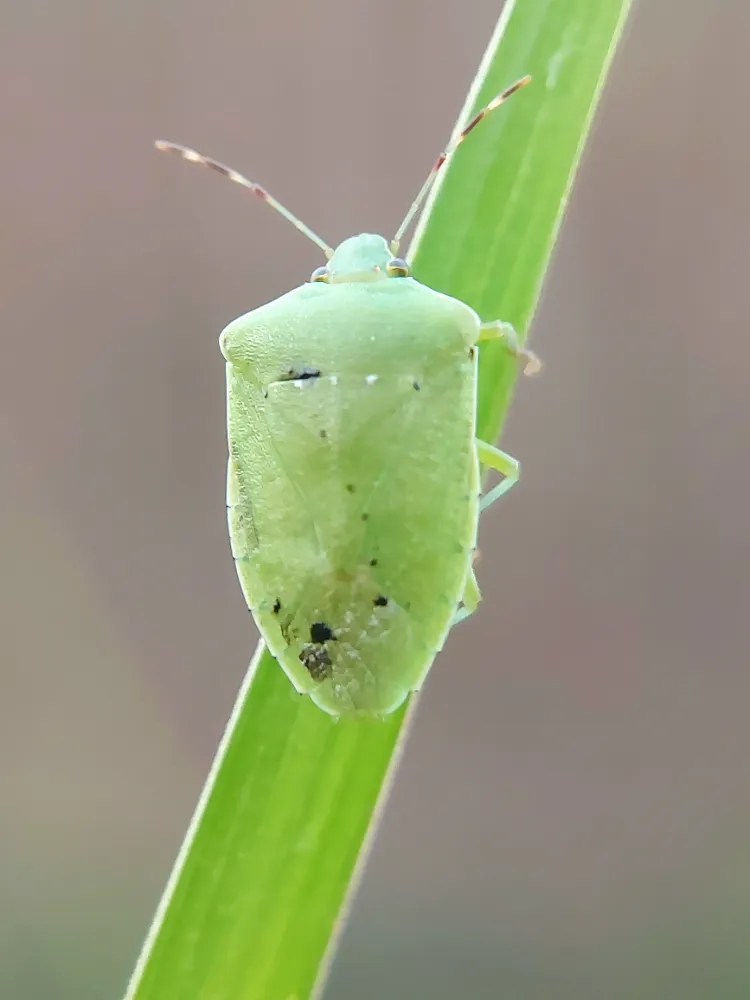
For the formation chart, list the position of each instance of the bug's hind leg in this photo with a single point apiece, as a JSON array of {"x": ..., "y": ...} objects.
[
  {"x": 492, "y": 458},
  {"x": 470, "y": 599},
  {"x": 504, "y": 334}
]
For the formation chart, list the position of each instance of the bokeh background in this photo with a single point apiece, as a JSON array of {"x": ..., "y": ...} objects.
[{"x": 572, "y": 818}]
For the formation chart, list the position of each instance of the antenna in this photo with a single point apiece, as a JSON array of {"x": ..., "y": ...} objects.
[
  {"x": 452, "y": 145},
  {"x": 206, "y": 161}
]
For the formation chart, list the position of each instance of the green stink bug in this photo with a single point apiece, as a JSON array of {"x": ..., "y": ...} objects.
[{"x": 354, "y": 470}]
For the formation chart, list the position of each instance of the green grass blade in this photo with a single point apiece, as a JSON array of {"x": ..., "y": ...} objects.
[
  {"x": 495, "y": 216},
  {"x": 253, "y": 905}
]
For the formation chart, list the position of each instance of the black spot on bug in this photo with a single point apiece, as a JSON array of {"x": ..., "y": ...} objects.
[
  {"x": 300, "y": 374},
  {"x": 416, "y": 385},
  {"x": 472, "y": 352},
  {"x": 323, "y": 434},
  {"x": 314, "y": 655},
  {"x": 365, "y": 517},
  {"x": 381, "y": 601},
  {"x": 350, "y": 487},
  {"x": 320, "y": 633},
  {"x": 276, "y": 606},
  {"x": 316, "y": 661},
  {"x": 373, "y": 562}
]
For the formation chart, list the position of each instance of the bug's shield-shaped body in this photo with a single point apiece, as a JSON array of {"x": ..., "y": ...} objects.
[{"x": 353, "y": 476}]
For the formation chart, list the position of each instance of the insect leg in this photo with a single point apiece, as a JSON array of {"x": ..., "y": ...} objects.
[
  {"x": 492, "y": 458},
  {"x": 471, "y": 598},
  {"x": 507, "y": 336}
]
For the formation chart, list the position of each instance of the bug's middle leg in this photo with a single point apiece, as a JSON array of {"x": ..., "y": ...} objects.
[
  {"x": 492, "y": 458},
  {"x": 470, "y": 598}
]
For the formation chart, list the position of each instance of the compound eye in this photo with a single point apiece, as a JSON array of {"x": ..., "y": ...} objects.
[
  {"x": 320, "y": 274},
  {"x": 397, "y": 268}
]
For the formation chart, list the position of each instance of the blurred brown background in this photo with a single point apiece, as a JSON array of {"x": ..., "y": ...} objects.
[{"x": 572, "y": 819}]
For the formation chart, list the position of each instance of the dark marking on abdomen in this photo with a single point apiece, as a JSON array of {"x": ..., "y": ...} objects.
[
  {"x": 300, "y": 374},
  {"x": 316, "y": 661},
  {"x": 320, "y": 633}
]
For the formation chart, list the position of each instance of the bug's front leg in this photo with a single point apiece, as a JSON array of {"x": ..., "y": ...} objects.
[{"x": 507, "y": 336}]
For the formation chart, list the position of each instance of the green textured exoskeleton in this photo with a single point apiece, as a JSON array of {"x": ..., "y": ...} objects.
[{"x": 354, "y": 470}]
